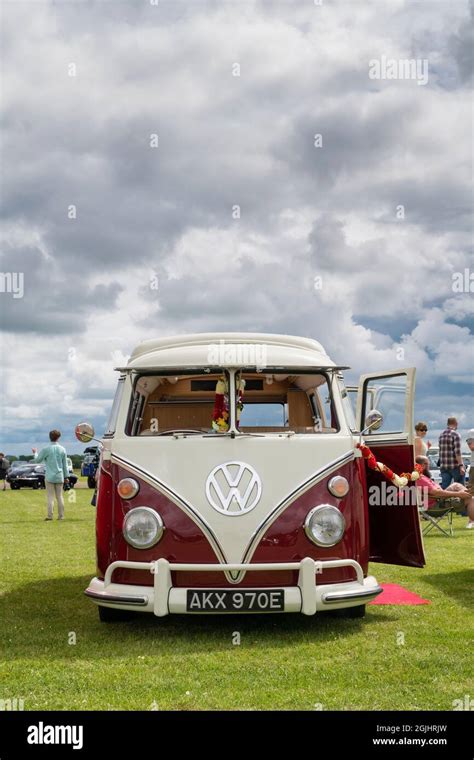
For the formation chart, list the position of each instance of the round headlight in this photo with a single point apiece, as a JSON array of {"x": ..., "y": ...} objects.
[
  {"x": 128, "y": 488},
  {"x": 325, "y": 525},
  {"x": 338, "y": 486},
  {"x": 142, "y": 527}
]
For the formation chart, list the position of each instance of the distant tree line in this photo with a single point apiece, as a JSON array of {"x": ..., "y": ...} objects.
[{"x": 76, "y": 459}]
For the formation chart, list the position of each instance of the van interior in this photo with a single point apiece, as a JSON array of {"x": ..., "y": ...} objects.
[{"x": 272, "y": 403}]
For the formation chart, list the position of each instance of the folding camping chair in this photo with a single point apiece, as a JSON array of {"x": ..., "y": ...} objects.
[{"x": 444, "y": 508}]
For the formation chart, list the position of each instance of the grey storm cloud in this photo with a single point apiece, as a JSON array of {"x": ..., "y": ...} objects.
[
  {"x": 226, "y": 141},
  {"x": 461, "y": 46},
  {"x": 220, "y": 143},
  {"x": 54, "y": 299}
]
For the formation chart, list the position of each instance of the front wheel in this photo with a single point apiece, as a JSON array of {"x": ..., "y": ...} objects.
[{"x": 110, "y": 615}]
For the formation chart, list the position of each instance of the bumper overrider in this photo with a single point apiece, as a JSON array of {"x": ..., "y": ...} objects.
[{"x": 307, "y": 597}]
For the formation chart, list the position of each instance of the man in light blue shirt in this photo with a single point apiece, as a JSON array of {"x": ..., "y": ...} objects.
[{"x": 54, "y": 457}]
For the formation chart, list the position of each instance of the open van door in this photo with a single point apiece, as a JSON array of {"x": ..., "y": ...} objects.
[{"x": 394, "y": 524}]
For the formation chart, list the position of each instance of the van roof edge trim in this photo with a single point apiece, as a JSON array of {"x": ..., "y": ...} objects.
[{"x": 163, "y": 370}]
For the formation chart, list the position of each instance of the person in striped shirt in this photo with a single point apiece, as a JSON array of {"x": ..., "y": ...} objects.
[{"x": 450, "y": 459}]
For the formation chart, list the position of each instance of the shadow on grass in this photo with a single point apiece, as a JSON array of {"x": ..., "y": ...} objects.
[
  {"x": 456, "y": 584},
  {"x": 37, "y": 617}
]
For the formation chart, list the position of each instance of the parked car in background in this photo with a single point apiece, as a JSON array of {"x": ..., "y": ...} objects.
[
  {"x": 26, "y": 475},
  {"x": 16, "y": 463},
  {"x": 90, "y": 464},
  {"x": 30, "y": 475},
  {"x": 434, "y": 469},
  {"x": 72, "y": 479},
  {"x": 466, "y": 458}
]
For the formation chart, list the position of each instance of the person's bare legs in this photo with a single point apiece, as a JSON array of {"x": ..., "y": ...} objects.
[
  {"x": 468, "y": 503},
  {"x": 470, "y": 512},
  {"x": 470, "y": 488}
]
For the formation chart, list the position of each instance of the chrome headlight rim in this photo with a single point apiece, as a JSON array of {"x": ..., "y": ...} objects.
[
  {"x": 160, "y": 527},
  {"x": 307, "y": 525},
  {"x": 331, "y": 483},
  {"x": 135, "y": 484}
]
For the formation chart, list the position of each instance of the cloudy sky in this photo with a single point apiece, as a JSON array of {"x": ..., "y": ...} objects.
[{"x": 244, "y": 157}]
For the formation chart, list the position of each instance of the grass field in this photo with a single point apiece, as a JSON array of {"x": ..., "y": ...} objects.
[{"x": 400, "y": 658}]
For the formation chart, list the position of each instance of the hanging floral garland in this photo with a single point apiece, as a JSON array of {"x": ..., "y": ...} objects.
[
  {"x": 220, "y": 415},
  {"x": 399, "y": 480}
]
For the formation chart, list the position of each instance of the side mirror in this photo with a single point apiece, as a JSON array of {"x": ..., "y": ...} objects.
[
  {"x": 373, "y": 421},
  {"x": 84, "y": 432}
]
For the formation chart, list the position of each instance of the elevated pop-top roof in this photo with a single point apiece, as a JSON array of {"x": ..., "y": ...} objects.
[{"x": 228, "y": 350}]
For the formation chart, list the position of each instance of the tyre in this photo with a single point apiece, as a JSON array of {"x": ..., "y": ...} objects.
[
  {"x": 14, "y": 486},
  {"x": 35, "y": 486},
  {"x": 110, "y": 615},
  {"x": 90, "y": 481}
]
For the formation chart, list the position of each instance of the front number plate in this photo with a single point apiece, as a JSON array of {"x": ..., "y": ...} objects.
[{"x": 202, "y": 600}]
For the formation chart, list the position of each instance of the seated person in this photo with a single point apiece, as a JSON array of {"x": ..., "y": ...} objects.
[
  {"x": 470, "y": 443},
  {"x": 435, "y": 492}
]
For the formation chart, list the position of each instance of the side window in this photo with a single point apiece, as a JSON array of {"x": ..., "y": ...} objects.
[
  {"x": 112, "y": 421},
  {"x": 387, "y": 395}
]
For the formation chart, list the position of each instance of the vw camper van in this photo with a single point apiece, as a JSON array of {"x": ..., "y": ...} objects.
[{"x": 231, "y": 480}]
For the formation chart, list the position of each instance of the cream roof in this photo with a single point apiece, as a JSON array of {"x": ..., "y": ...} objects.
[{"x": 228, "y": 349}]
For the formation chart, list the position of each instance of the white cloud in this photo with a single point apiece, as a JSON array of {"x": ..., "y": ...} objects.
[{"x": 226, "y": 140}]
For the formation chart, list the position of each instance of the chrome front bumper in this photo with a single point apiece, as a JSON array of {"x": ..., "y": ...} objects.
[{"x": 163, "y": 599}]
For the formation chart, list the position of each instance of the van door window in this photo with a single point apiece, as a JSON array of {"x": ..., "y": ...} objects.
[{"x": 388, "y": 395}]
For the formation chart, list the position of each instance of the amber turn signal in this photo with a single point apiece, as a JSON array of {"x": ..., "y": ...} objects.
[
  {"x": 128, "y": 488},
  {"x": 338, "y": 486}
]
